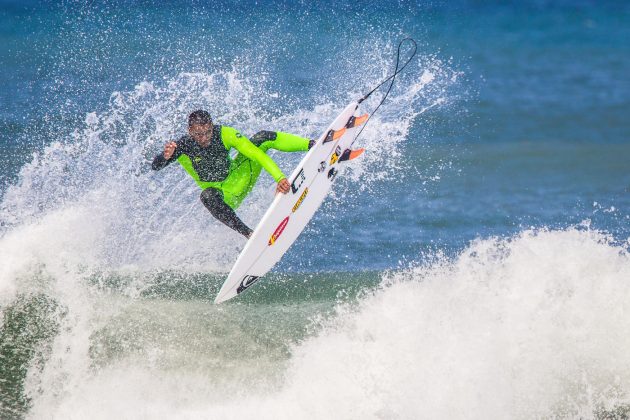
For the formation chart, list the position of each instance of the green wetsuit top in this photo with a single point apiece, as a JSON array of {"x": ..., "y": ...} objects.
[{"x": 212, "y": 163}]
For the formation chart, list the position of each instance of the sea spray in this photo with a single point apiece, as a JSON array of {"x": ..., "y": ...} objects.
[{"x": 91, "y": 217}]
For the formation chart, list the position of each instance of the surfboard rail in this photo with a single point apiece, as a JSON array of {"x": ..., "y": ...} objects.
[{"x": 288, "y": 214}]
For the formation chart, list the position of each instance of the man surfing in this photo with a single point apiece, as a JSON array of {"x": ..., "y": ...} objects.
[{"x": 204, "y": 154}]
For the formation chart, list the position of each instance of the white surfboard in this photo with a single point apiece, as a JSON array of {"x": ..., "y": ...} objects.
[{"x": 289, "y": 213}]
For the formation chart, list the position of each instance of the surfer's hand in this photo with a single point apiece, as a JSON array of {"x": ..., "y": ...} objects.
[
  {"x": 169, "y": 149},
  {"x": 283, "y": 186}
]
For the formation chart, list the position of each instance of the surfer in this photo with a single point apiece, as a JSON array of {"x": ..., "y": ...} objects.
[{"x": 204, "y": 154}]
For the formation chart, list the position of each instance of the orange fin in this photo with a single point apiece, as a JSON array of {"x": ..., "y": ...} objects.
[
  {"x": 334, "y": 134},
  {"x": 351, "y": 154},
  {"x": 356, "y": 121}
]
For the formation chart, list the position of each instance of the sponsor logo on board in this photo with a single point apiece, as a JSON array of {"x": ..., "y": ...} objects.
[
  {"x": 276, "y": 234},
  {"x": 298, "y": 203},
  {"x": 335, "y": 156},
  {"x": 322, "y": 166},
  {"x": 246, "y": 282},
  {"x": 332, "y": 174},
  {"x": 298, "y": 181}
]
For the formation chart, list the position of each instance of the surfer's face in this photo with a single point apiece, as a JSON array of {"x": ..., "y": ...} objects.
[{"x": 201, "y": 133}]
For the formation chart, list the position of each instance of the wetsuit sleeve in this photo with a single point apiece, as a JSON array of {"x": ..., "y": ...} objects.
[
  {"x": 232, "y": 138},
  {"x": 160, "y": 162},
  {"x": 290, "y": 142}
]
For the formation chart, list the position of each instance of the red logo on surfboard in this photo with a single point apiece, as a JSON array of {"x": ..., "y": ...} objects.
[{"x": 278, "y": 231}]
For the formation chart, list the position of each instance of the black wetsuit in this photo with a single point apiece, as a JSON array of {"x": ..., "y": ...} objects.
[{"x": 212, "y": 163}]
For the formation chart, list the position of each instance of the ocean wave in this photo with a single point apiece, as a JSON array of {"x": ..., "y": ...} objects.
[{"x": 527, "y": 326}]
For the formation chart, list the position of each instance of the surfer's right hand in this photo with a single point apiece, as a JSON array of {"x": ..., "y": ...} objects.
[
  {"x": 169, "y": 149},
  {"x": 283, "y": 186}
]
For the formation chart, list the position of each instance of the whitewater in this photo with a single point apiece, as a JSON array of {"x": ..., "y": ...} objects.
[{"x": 473, "y": 263}]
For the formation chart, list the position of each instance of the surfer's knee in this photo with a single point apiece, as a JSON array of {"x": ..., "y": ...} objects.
[{"x": 210, "y": 197}]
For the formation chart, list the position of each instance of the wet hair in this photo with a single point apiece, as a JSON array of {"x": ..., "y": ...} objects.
[{"x": 199, "y": 117}]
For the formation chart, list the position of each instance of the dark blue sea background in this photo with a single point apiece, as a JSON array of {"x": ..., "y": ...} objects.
[{"x": 473, "y": 264}]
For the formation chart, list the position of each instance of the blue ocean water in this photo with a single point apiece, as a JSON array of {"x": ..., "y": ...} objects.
[{"x": 473, "y": 264}]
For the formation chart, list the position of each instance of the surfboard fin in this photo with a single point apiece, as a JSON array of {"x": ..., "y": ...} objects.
[
  {"x": 350, "y": 154},
  {"x": 334, "y": 134},
  {"x": 356, "y": 121},
  {"x": 352, "y": 122}
]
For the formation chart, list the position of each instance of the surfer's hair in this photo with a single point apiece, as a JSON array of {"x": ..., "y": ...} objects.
[{"x": 199, "y": 117}]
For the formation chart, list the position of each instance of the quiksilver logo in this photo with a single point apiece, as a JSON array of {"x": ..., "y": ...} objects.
[{"x": 246, "y": 282}]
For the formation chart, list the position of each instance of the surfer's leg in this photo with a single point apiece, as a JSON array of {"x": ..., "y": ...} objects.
[
  {"x": 212, "y": 198},
  {"x": 278, "y": 140}
]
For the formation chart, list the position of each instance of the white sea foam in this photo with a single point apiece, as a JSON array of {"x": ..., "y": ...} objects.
[
  {"x": 521, "y": 328},
  {"x": 527, "y": 327}
]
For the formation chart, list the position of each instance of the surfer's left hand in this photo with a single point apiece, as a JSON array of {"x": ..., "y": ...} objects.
[{"x": 283, "y": 186}]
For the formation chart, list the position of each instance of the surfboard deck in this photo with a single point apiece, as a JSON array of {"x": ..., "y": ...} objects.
[{"x": 289, "y": 213}]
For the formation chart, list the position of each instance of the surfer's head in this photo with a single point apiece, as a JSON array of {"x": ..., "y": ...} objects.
[{"x": 200, "y": 127}]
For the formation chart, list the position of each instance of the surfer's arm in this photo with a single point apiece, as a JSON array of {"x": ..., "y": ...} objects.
[
  {"x": 287, "y": 142},
  {"x": 170, "y": 154},
  {"x": 233, "y": 138},
  {"x": 159, "y": 162}
]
